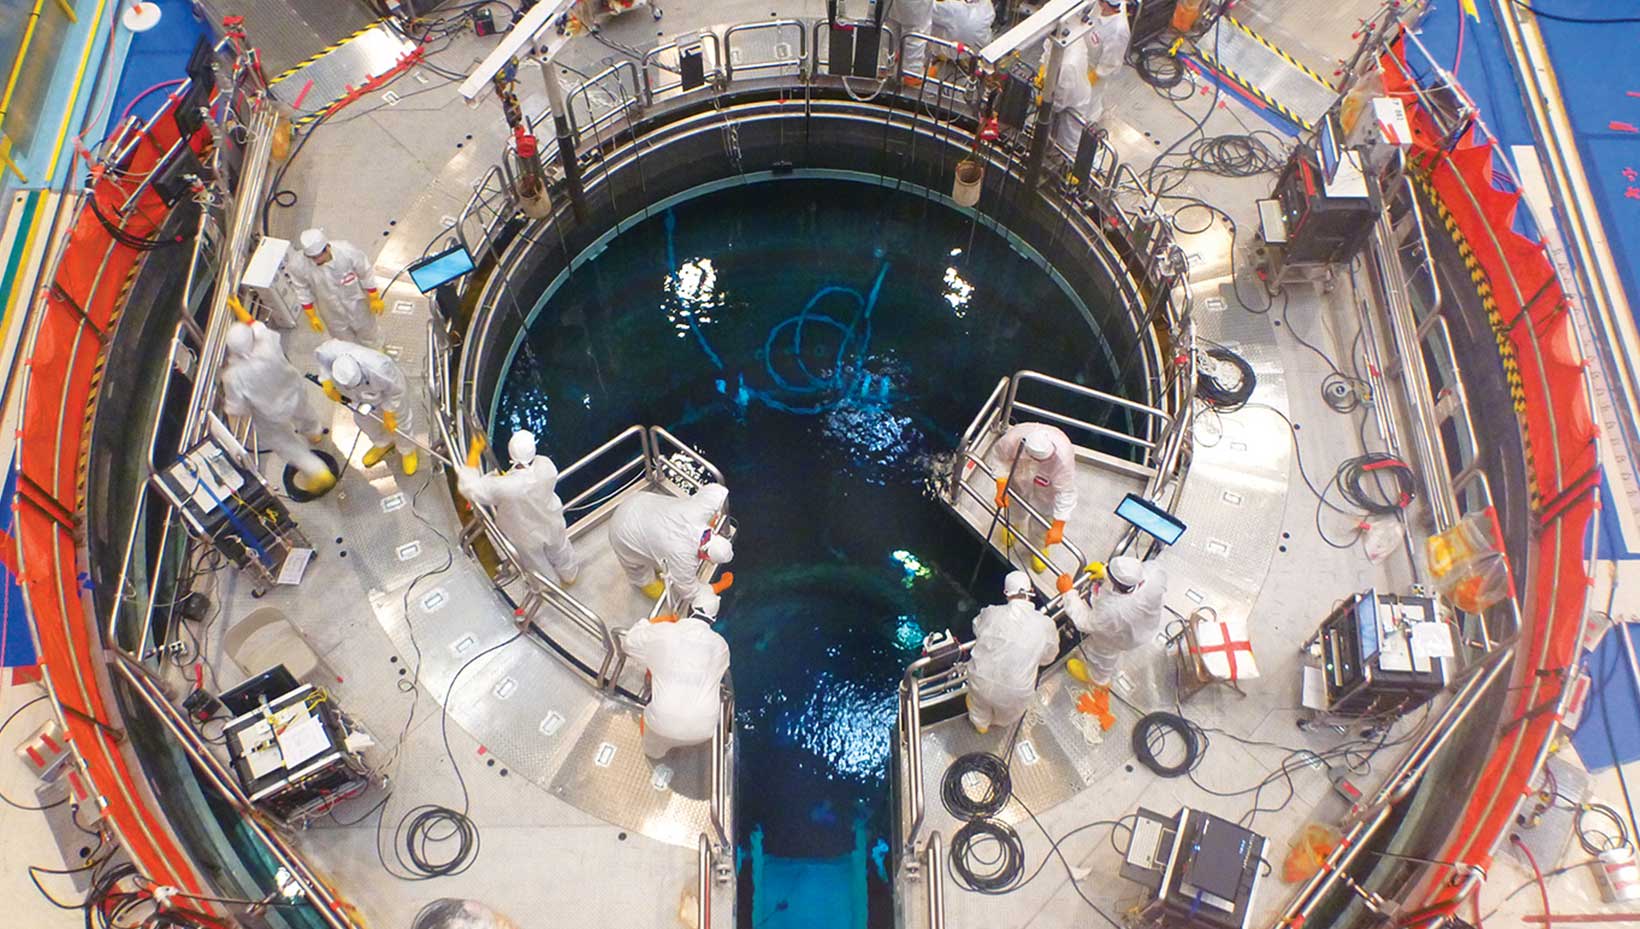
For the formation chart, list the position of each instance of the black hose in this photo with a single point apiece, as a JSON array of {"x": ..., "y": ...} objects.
[
  {"x": 987, "y": 873},
  {"x": 986, "y": 767},
  {"x": 1144, "y": 742}
]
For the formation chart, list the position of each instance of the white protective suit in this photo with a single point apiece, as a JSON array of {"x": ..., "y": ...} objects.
[
  {"x": 1098, "y": 56},
  {"x": 915, "y": 16},
  {"x": 1011, "y": 640},
  {"x": 338, "y": 289},
  {"x": 1049, "y": 486},
  {"x": 964, "y": 21},
  {"x": 686, "y": 661},
  {"x": 527, "y": 512},
  {"x": 260, "y": 383},
  {"x": 658, "y": 534},
  {"x": 383, "y": 387},
  {"x": 1117, "y": 622}
]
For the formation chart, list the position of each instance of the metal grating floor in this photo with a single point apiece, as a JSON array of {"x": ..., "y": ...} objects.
[{"x": 289, "y": 31}]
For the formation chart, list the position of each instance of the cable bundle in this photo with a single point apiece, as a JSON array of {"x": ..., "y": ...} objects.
[
  {"x": 1222, "y": 393},
  {"x": 1378, "y": 500},
  {"x": 982, "y": 765}
]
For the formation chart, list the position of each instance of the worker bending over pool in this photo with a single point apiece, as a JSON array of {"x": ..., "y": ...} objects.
[
  {"x": 369, "y": 377},
  {"x": 686, "y": 661},
  {"x": 261, "y": 383},
  {"x": 661, "y": 540},
  {"x": 1042, "y": 463},
  {"x": 335, "y": 282},
  {"x": 1011, "y": 641},
  {"x": 1126, "y": 612},
  {"x": 527, "y": 511}
]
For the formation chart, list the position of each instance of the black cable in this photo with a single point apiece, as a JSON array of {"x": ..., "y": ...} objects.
[
  {"x": 1226, "y": 396},
  {"x": 984, "y": 766},
  {"x": 1144, "y": 748},
  {"x": 993, "y": 875},
  {"x": 1617, "y": 841},
  {"x": 27, "y": 808},
  {"x": 1159, "y": 68},
  {"x": 1579, "y": 20},
  {"x": 1379, "y": 500}
]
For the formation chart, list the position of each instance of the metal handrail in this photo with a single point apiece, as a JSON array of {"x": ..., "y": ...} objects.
[
  {"x": 627, "y": 100},
  {"x": 652, "y": 57},
  {"x": 798, "y": 61}
]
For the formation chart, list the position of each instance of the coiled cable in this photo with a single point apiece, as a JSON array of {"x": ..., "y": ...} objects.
[
  {"x": 1146, "y": 739},
  {"x": 981, "y": 766},
  {"x": 987, "y": 856},
  {"x": 1218, "y": 389},
  {"x": 1378, "y": 500}
]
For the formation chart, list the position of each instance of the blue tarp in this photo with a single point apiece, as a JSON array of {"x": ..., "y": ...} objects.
[
  {"x": 1610, "y": 730},
  {"x": 158, "y": 55}
]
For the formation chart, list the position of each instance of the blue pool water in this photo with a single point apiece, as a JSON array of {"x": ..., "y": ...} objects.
[{"x": 824, "y": 343}]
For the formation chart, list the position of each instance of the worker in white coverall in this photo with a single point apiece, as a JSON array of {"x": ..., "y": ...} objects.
[
  {"x": 1083, "y": 71},
  {"x": 967, "y": 22},
  {"x": 526, "y": 509},
  {"x": 335, "y": 283},
  {"x": 1126, "y": 612},
  {"x": 661, "y": 540},
  {"x": 686, "y": 661},
  {"x": 1011, "y": 641},
  {"x": 260, "y": 383},
  {"x": 914, "y": 16},
  {"x": 1043, "y": 463},
  {"x": 369, "y": 377}
]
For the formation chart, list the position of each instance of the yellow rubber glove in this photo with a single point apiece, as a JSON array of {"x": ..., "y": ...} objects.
[
  {"x": 313, "y": 318},
  {"x": 1097, "y": 569},
  {"x": 239, "y": 310},
  {"x": 475, "y": 451},
  {"x": 1093, "y": 77},
  {"x": 1002, "y": 492},
  {"x": 331, "y": 391},
  {"x": 1056, "y": 533},
  {"x": 376, "y": 305},
  {"x": 390, "y": 419}
]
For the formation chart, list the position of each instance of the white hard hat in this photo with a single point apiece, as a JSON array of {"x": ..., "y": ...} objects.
[
  {"x": 314, "y": 242},
  {"x": 719, "y": 550},
  {"x": 346, "y": 372},
  {"x": 1016, "y": 583},
  {"x": 1125, "y": 570},
  {"x": 241, "y": 339},
  {"x": 707, "y": 603},
  {"x": 521, "y": 447},
  {"x": 1038, "y": 445}
]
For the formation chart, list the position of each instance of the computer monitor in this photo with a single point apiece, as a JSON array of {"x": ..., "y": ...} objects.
[
  {"x": 1143, "y": 514},
  {"x": 1330, "y": 148},
  {"x": 270, "y": 685},
  {"x": 442, "y": 268}
]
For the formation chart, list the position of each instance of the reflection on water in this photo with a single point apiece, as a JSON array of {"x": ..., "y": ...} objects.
[{"x": 824, "y": 343}]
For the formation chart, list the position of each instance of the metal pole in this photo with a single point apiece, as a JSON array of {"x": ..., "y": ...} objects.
[
  {"x": 996, "y": 514},
  {"x": 1043, "y": 129},
  {"x": 566, "y": 139}
]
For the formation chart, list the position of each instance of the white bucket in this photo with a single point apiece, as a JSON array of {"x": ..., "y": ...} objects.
[{"x": 970, "y": 178}]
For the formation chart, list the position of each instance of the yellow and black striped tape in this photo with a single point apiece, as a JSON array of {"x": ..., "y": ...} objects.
[
  {"x": 1249, "y": 87},
  {"x": 1500, "y": 332},
  {"x": 321, "y": 53},
  {"x": 1283, "y": 54}
]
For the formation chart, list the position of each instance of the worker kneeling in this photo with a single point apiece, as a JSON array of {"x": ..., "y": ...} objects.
[
  {"x": 661, "y": 539},
  {"x": 527, "y": 511},
  {"x": 1043, "y": 464},
  {"x": 1126, "y": 612},
  {"x": 1011, "y": 640},
  {"x": 369, "y": 377},
  {"x": 686, "y": 661}
]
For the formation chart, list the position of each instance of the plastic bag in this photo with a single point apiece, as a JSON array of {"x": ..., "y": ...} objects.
[
  {"x": 1308, "y": 851},
  {"x": 1468, "y": 563},
  {"x": 1383, "y": 538}
]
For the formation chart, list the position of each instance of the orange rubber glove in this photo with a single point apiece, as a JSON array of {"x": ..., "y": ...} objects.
[
  {"x": 665, "y": 618},
  {"x": 725, "y": 581},
  {"x": 390, "y": 419},
  {"x": 1056, "y": 533},
  {"x": 1002, "y": 492},
  {"x": 313, "y": 317},
  {"x": 1064, "y": 583}
]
